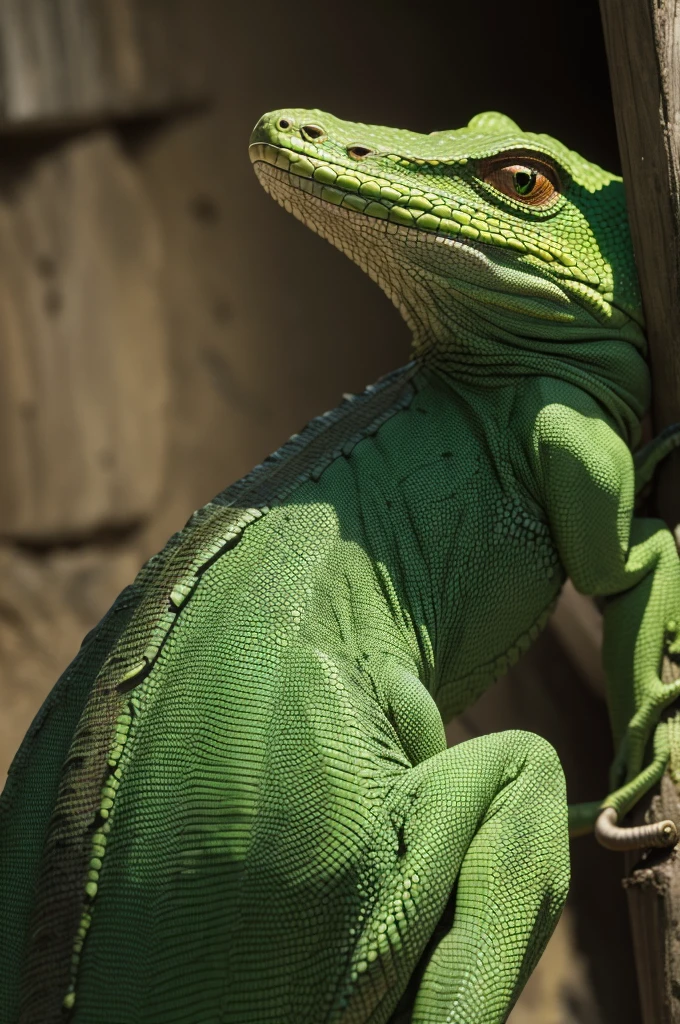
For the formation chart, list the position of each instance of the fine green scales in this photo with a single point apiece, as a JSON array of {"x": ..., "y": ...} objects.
[{"x": 237, "y": 804}]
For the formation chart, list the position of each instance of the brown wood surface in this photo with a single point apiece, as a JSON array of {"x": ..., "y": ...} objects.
[
  {"x": 65, "y": 61},
  {"x": 642, "y": 40},
  {"x": 83, "y": 369}
]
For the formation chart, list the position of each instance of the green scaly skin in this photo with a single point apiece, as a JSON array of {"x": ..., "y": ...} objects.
[{"x": 237, "y": 803}]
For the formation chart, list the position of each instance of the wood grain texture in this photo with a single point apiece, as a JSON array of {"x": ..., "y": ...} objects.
[
  {"x": 643, "y": 48},
  {"x": 83, "y": 375},
  {"x": 642, "y": 38},
  {"x": 81, "y": 60},
  {"x": 652, "y": 885}
]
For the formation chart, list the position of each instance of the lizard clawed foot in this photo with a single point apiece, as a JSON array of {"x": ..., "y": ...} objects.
[
  {"x": 612, "y": 809},
  {"x": 629, "y": 757},
  {"x": 662, "y": 834}
]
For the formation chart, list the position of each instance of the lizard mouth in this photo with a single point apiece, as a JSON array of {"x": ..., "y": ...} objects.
[
  {"x": 400, "y": 206},
  {"x": 352, "y": 190}
]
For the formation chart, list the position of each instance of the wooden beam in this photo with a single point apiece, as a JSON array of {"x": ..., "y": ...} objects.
[
  {"x": 66, "y": 62},
  {"x": 644, "y": 65},
  {"x": 641, "y": 37}
]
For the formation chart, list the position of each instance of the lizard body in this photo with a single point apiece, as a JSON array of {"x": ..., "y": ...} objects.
[{"x": 237, "y": 803}]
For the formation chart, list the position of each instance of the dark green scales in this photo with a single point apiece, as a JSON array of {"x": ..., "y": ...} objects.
[{"x": 237, "y": 804}]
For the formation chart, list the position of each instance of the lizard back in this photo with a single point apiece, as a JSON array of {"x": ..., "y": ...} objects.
[{"x": 113, "y": 664}]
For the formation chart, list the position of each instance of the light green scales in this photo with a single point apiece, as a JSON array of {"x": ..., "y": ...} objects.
[{"x": 237, "y": 805}]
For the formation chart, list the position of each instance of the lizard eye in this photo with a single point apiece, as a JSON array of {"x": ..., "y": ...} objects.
[{"x": 531, "y": 183}]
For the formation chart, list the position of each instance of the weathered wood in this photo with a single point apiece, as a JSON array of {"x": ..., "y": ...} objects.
[
  {"x": 643, "y": 49},
  {"x": 64, "y": 61},
  {"x": 642, "y": 40},
  {"x": 652, "y": 884},
  {"x": 83, "y": 374}
]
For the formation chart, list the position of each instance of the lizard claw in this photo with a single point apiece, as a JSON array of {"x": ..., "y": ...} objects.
[
  {"x": 629, "y": 757},
  {"x": 661, "y": 834},
  {"x": 605, "y": 815}
]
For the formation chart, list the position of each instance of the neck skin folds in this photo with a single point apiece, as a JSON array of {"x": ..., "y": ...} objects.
[{"x": 482, "y": 317}]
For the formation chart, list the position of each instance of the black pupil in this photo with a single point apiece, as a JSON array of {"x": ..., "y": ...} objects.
[
  {"x": 359, "y": 151},
  {"x": 524, "y": 182}
]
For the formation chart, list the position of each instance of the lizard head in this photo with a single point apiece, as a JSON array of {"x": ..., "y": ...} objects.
[{"x": 502, "y": 249}]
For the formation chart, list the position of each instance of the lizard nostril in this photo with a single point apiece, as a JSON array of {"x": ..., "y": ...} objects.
[
  {"x": 312, "y": 132},
  {"x": 359, "y": 152},
  {"x": 284, "y": 124}
]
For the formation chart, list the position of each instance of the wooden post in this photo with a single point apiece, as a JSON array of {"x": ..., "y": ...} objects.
[{"x": 641, "y": 38}]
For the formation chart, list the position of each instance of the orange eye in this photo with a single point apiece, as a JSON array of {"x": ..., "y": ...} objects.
[{"x": 527, "y": 183}]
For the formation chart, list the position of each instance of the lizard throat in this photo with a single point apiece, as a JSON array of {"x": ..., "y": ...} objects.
[{"x": 372, "y": 242}]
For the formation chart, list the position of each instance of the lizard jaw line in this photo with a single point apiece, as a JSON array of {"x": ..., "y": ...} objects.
[
  {"x": 375, "y": 207},
  {"x": 364, "y": 236},
  {"x": 275, "y": 181},
  {"x": 328, "y": 225}
]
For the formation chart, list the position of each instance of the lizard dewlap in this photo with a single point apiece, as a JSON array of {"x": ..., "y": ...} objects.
[{"x": 237, "y": 804}]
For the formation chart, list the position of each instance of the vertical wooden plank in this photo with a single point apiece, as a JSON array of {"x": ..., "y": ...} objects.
[
  {"x": 642, "y": 38},
  {"x": 643, "y": 49}
]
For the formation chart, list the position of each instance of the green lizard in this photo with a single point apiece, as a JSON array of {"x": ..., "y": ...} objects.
[{"x": 237, "y": 803}]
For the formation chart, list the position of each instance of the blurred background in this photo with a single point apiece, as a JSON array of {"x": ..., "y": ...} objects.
[{"x": 164, "y": 324}]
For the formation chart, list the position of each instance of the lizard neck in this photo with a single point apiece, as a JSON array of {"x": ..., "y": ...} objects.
[{"x": 489, "y": 341}]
